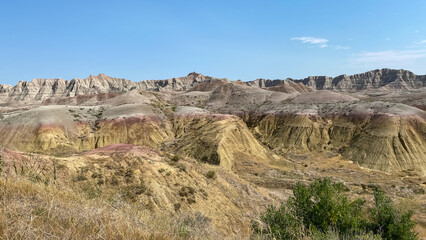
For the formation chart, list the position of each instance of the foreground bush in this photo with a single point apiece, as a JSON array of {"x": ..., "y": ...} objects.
[
  {"x": 323, "y": 211},
  {"x": 388, "y": 221}
]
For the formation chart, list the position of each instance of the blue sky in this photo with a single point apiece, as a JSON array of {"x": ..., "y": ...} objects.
[{"x": 245, "y": 40}]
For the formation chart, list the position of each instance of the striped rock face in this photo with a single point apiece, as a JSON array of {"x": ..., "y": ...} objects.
[
  {"x": 376, "y": 119},
  {"x": 375, "y": 139},
  {"x": 62, "y": 130}
]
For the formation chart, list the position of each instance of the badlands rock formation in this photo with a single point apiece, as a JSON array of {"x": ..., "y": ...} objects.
[
  {"x": 40, "y": 89},
  {"x": 222, "y": 122},
  {"x": 380, "y": 78},
  {"x": 219, "y": 150},
  {"x": 218, "y": 139}
]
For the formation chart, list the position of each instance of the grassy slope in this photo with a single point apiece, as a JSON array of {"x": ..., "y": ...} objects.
[{"x": 31, "y": 210}]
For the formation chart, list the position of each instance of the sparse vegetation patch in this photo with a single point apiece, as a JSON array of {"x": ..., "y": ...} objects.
[
  {"x": 211, "y": 174},
  {"x": 322, "y": 209}
]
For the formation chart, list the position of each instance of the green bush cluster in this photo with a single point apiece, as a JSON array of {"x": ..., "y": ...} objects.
[
  {"x": 323, "y": 208},
  {"x": 390, "y": 222},
  {"x": 211, "y": 174},
  {"x": 175, "y": 158}
]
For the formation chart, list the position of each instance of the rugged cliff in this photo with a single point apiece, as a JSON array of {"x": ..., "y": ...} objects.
[
  {"x": 222, "y": 122},
  {"x": 381, "y": 136},
  {"x": 41, "y": 89},
  {"x": 391, "y": 78}
]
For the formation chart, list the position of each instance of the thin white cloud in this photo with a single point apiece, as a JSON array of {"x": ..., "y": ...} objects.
[
  {"x": 389, "y": 58},
  {"x": 339, "y": 47},
  {"x": 422, "y": 42},
  {"x": 320, "y": 42}
]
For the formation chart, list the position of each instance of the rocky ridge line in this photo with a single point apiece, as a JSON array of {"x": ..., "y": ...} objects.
[
  {"x": 394, "y": 79},
  {"x": 41, "y": 89}
]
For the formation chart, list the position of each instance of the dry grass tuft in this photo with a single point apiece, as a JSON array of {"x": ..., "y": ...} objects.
[{"x": 30, "y": 210}]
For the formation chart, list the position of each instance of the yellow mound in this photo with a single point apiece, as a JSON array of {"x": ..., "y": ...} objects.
[{"x": 217, "y": 139}]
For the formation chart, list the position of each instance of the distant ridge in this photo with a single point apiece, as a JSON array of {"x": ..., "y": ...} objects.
[
  {"x": 391, "y": 78},
  {"x": 41, "y": 89}
]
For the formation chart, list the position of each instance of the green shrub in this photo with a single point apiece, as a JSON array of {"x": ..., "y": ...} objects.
[
  {"x": 132, "y": 192},
  {"x": 278, "y": 223},
  {"x": 324, "y": 205},
  {"x": 389, "y": 221},
  {"x": 334, "y": 235},
  {"x": 175, "y": 158},
  {"x": 186, "y": 191},
  {"x": 128, "y": 176},
  {"x": 322, "y": 210},
  {"x": 211, "y": 174},
  {"x": 212, "y": 159},
  {"x": 177, "y": 206},
  {"x": 114, "y": 181}
]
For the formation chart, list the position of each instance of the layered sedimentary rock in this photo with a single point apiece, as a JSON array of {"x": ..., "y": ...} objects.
[
  {"x": 179, "y": 84},
  {"x": 4, "y": 88},
  {"x": 325, "y": 120},
  {"x": 65, "y": 130},
  {"x": 217, "y": 139},
  {"x": 381, "y": 136},
  {"x": 290, "y": 87},
  {"x": 223, "y": 122},
  {"x": 44, "y": 129},
  {"x": 393, "y": 79},
  {"x": 232, "y": 97},
  {"x": 322, "y": 96},
  {"x": 390, "y": 144},
  {"x": 41, "y": 89},
  {"x": 135, "y": 124},
  {"x": 287, "y": 86}
]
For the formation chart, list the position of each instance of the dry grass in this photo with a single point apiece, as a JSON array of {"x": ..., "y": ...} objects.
[{"x": 31, "y": 210}]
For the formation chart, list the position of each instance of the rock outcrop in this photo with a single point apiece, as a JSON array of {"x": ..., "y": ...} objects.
[
  {"x": 380, "y": 136},
  {"x": 41, "y": 89},
  {"x": 218, "y": 139},
  {"x": 62, "y": 130},
  {"x": 223, "y": 122},
  {"x": 390, "y": 78}
]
